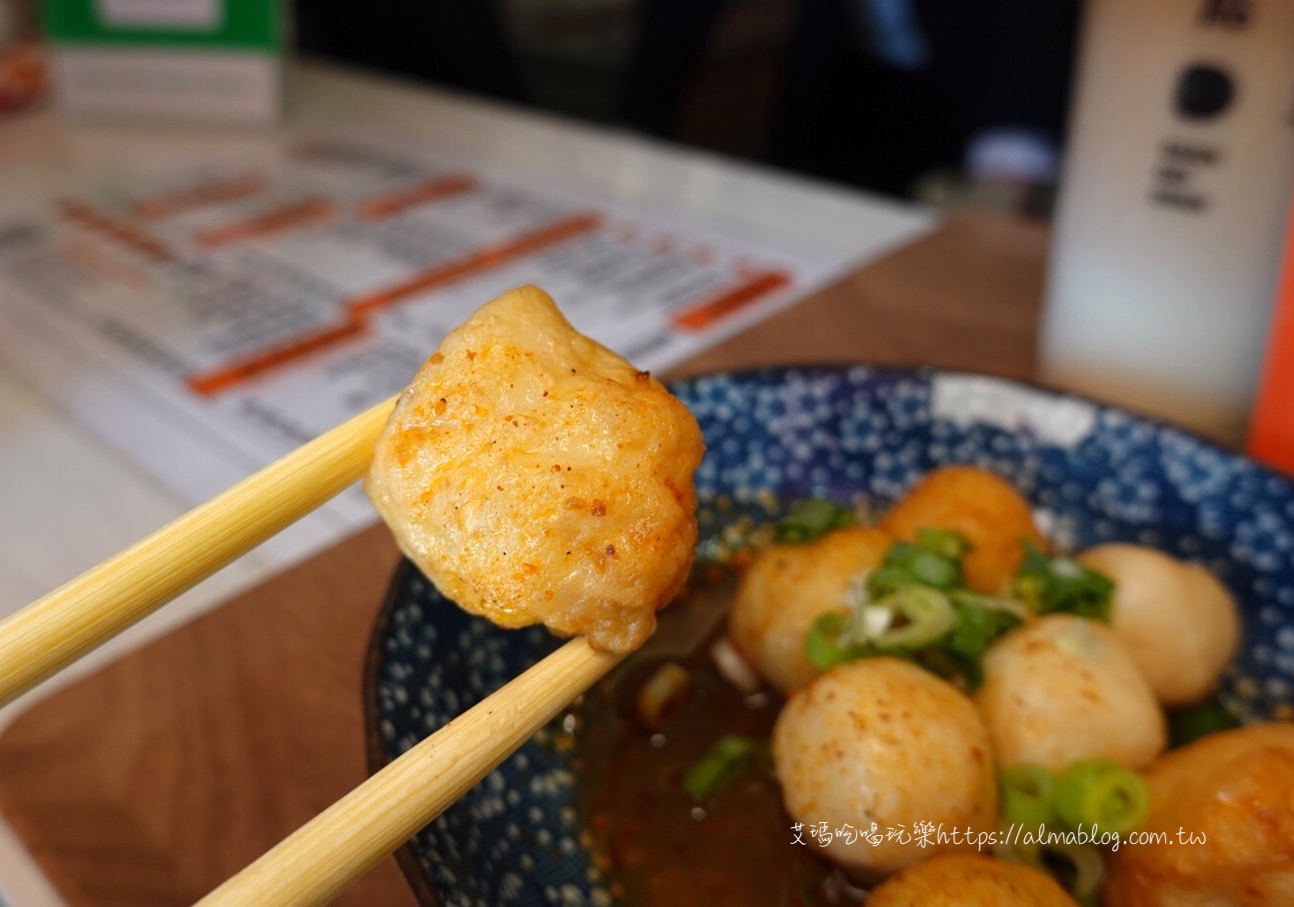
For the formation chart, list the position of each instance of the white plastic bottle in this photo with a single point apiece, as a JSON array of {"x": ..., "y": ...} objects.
[{"x": 1173, "y": 206}]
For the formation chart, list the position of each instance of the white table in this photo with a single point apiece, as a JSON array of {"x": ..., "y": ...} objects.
[{"x": 66, "y": 501}]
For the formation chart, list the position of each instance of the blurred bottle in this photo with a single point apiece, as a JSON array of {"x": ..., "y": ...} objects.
[{"x": 1172, "y": 207}]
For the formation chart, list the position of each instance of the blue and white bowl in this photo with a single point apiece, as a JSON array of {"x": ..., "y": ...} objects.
[{"x": 1094, "y": 473}]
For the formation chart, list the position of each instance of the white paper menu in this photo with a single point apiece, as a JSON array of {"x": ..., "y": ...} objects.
[{"x": 208, "y": 320}]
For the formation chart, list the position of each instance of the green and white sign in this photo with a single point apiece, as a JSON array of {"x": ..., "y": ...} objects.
[{"x": 174, "y": 59}]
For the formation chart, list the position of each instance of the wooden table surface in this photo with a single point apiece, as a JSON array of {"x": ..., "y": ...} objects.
[{"x": 153, "y": 780}]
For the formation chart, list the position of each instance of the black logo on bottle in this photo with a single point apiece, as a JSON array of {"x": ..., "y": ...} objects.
[{"x": 1226, "y": 13}]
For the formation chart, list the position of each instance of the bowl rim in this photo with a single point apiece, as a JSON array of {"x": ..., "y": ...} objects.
[{"x": 374, "y": 749}]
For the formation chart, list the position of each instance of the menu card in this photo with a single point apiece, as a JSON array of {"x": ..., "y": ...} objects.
[{"x": 208, "y": 320}]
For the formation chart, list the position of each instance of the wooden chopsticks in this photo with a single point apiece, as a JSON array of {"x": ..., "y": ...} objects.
[
  {"x": 343, "y": 842},
  {"x": 55, "y": 630},
  {"x": 332, "y": 850}
]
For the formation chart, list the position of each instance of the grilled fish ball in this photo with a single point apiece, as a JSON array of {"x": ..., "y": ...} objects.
[
  {"x": 883, "y": 741},
  {"x": 983, "y": 507},
  {"x": 1221, "y": 824},
  {"x": 1181, "y": 625},
  {"x": 535, "y": 476},
  {"x": 969, "y": 880},
  {"x": 785, "y": 588},
  {"x": 1063, "y": 689}
]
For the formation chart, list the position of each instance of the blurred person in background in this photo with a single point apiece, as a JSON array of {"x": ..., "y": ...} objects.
[
  {"x": 940, "y": 98},
  {"x": 458, "y": 43},
  {"x": 886, "y": 93}
]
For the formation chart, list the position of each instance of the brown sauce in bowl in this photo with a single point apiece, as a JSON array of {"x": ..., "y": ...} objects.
[{"x": 657, "y": 844}]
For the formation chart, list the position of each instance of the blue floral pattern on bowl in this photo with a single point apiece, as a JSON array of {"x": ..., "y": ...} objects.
[{"x": 860, "y": 434}]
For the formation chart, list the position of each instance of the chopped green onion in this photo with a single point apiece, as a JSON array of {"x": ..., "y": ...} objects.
[
  {"x": 977, "y": 628},
  {"x": 1061, "y": 584},
  {"x": 963, "y": 673},
  {"x": 1100, "y": 792},
  {"x": 722, "y": 764},
  {"x": 943, "y": 542},
  {"x": 971, "y": 599},
  {"x": 1028, "y": 854},
  {"x": 1081, "y": 869},
  {"x": 898, "y": 552},
  {"x": 1027, "y": 792},
  {"x": 822, "y": 645},
  {"x": 929, "y": 617},
  {"x": 933, "y": 569},
  {"x": 662, "y": 692},
  {"x": 933, "y": 560},
  {"x": 1198, "y": 721},
  {"x": 810, "y": 519},
  {"x": 915, "y": 606},
  {"x": 886, "y": 579}
]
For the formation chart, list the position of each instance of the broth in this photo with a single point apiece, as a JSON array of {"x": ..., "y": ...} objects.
[{"x": 656, "y": 843}]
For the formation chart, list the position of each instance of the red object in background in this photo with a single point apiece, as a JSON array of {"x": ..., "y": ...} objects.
[
  {"x": 24, "y": 64},
  {"x": 1271, "y": 427},
  {"x": 22, "y": 75}
]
